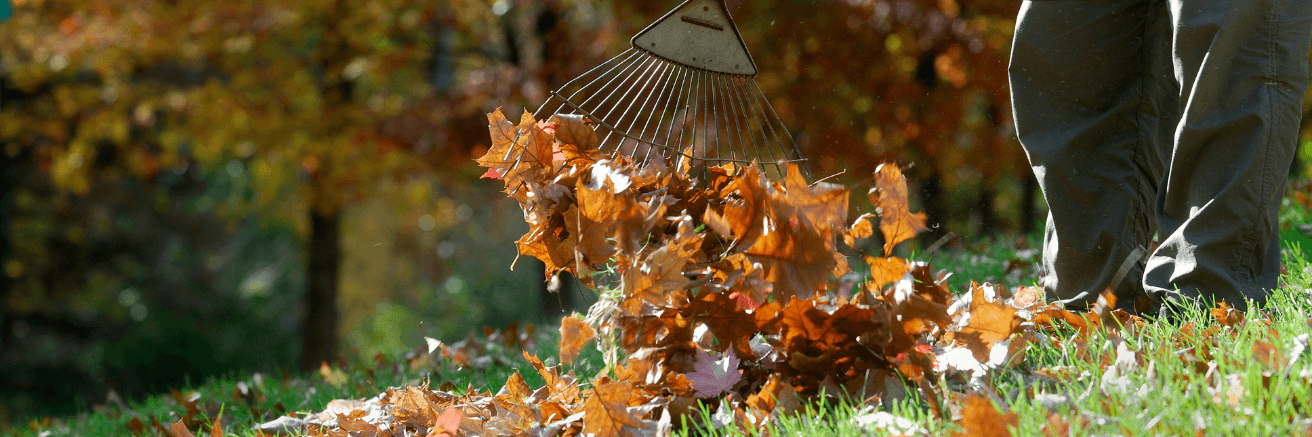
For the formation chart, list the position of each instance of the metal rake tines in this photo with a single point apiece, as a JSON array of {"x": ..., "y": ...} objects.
[{"x": 683, "y": 92}]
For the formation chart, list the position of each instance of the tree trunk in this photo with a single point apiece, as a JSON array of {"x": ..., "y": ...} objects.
[
  {"x": 319, "y": 340},
  {"x": 1029, "y": 192},
  {"x": 8, "y": 178},
  {"x": 988, "y": 221}
]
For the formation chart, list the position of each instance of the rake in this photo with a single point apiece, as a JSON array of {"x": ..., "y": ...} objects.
[{"x": 684, "y": 93}]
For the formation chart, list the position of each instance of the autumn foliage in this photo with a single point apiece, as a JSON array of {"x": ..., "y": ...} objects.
[{"x": 729, "y": 291}]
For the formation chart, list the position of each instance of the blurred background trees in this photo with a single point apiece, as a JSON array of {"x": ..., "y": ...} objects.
[{"x": 195, "y": 187}]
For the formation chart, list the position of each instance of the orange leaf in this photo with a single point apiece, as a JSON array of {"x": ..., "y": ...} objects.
[
  {"x": 607, "y": 411},
  {"x": 981, "y": 419},
  {"x": 897, "y": 222},
  {"x": 448, "y": 424},
  {"x": 217, "y": 430},
  {"x": 574, "y": 333},
  {"x": 180, "y": 430}
]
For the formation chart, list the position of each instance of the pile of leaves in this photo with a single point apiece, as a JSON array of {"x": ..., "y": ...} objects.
[{"x": 728, "y": 295}]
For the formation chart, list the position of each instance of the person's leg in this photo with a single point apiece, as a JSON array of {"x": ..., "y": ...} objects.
[
  {"x": 1242, "y": 66},
  {"x": 1090, "y": 81}
]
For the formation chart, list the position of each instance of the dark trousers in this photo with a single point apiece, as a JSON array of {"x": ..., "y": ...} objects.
[{"x": 1170, "y": 118}]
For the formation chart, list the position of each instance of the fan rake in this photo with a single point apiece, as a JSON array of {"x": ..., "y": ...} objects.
[{"x": 683, "y": 93}]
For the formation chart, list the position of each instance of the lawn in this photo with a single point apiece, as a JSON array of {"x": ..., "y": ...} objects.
[
  {"x": 1214, "y": 374},
  {"x": 691, "y": 344}
]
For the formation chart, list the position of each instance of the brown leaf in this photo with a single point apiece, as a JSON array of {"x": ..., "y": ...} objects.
[
  {"x": 1269, "y": 356},
  {"x": 862, "y": 228},
  {"x": 795, "y": 258},
  {"x": 661, "y": 272},
  {"x": 990, "y": 323},
  {"x": 981, "y": 419},
  {"x": 607, "y": 412},
  {"x": 516, "y": 389},
  {"x": 776, "y": 397},
  {"x": 897, "y": 222},
  {"x": 136, "y": 426},
  {"x": 729, "y": 324},
  {"x": 1227, "y": 316},
  {"x": 448, "y": 424},
  {"x": 217, "y": 430},
  {"x": 575, "y": 129},
  {"x": 180, "y": 430},
  {"x": 411, "y": 405},
  {"x": 739, "y": 216},
  {"x": 885, "y": 271},
  {"x": 574, "y": 333},
  {"x": 520, "y": 153}
]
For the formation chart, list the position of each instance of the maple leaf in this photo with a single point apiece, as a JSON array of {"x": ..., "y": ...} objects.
[
  {"x": 739, "y": 216},
  {"x": 574, "y": 333},
  {"x": 897, "y": 222},
  {"x": 743, "y": 277},
  {"x": 797, "y": 248},
  {"x": 576, "y": 140},
  {"x": 411, "y": 405},
  {"x": 823, "y": 205},
  {"x": 606, "y": 411},
  {"x": 520, "y": 153},
  {"x": 776, "y": 397},
  {"x": 727, "y": 321},
  {"x": 447, "y": 424},
  {"x": 989, "y": 323},
  {"x": 795, "y": 258},
  {"x": 712, "y": 377},
  {"x": 661, "y": 272},
  {"x": 516, "y": 389},
  {"x": 885, "y": 271},
  {"x": 980, "y": 419}
]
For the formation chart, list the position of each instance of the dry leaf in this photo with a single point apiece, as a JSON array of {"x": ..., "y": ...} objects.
[{"x": 574, "y": 333}]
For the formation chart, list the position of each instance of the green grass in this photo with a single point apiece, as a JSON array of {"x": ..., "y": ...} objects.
[{"x": 1068, "y": 378}]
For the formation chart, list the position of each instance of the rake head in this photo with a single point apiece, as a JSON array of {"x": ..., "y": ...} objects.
[{"x": 684, "y": 93}]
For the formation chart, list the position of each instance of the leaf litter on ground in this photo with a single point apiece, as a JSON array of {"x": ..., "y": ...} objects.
[{"x": 728, "y": 303}]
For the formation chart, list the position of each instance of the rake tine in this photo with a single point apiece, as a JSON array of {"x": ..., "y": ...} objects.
[
  {"x": 626, "y": 55},
  {"x": 690, "y": 117},
  {"x": 674, "y": 116},
  {"x": 742, "y": 101},
  {"x": 665, "y": 85},
  {"x": 644, "y": 66},
  {"x": 739, "y": 115},
  {"x": 648, "y": 77},
  {"x": 796, "y": 151},
  {"x": 664, "y": 108}
]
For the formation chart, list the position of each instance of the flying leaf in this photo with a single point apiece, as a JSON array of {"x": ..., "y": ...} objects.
[
  {"x": 896, "y": 222},
  {"x": 574, "y": 333}
]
